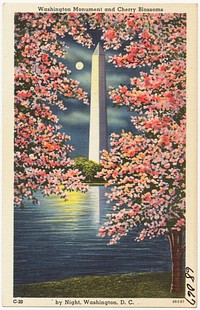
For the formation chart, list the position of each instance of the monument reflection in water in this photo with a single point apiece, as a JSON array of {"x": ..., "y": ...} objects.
[{"x": 58, "y": 240}]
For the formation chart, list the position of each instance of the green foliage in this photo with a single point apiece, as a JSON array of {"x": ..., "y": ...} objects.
[{"x": 89, "y": 169}]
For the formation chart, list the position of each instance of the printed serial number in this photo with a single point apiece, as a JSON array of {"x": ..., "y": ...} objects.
[
  {"x": 18, "y": 301},
  {"x": 178, "y": 301}
]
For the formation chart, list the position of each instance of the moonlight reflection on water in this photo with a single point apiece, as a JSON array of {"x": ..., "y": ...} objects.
[{"x": 58, "y": 240}]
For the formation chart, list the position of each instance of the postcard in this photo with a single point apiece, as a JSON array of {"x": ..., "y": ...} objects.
[{"x": 100, "y": 155}]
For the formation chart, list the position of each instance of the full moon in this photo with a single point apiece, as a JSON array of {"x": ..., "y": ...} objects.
[{"x": 79, "y": 65}]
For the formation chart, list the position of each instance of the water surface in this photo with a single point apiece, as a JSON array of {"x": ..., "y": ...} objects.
[{"x": 58, "y": 240}]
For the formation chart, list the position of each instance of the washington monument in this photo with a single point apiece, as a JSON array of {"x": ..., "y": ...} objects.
[{"x": 98, "y": 108}]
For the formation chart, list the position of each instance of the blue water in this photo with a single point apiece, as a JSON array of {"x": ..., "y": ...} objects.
[{"x": 58, "y": 240}]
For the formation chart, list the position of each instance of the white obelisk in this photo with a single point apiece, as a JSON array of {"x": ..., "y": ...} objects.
[{"x": 98, "y": 108}]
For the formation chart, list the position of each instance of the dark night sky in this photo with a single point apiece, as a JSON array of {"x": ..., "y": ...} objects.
[{"x": 75, "y": 120}]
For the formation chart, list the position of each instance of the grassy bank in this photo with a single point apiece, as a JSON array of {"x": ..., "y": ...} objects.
[{"x": 149, "y": 285}]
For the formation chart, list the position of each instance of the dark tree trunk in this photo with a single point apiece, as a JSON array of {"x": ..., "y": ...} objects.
[{"x": 177, "y": 250}]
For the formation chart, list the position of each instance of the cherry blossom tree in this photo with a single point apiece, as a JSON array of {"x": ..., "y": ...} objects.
[
  {"x": 42, "y": 161},
  {"x": 146, "y": 172}
]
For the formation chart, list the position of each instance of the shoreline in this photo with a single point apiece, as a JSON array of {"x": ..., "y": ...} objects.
[{"x": 138, "y": 285}]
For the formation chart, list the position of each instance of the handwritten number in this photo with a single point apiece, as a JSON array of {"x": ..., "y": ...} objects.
[
  {"x": 187, "y": 273},
  {"x": 190, "y": 288}
]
